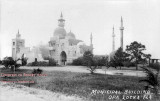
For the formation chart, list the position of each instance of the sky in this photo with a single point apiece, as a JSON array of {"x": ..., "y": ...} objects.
[{"x": 37, "y": 20}]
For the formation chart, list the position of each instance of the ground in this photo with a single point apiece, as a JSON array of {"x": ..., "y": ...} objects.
[
  {"x": 81, "y": 69},
  {"x": 73, "y": 82},
  {"x": 12, "y": 92}
]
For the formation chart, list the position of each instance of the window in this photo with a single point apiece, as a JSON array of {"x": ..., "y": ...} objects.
[
  {"x": 13, "y": 43},
  {"x": 52, "y": 44},
  {"x": 21, "y": 44}
]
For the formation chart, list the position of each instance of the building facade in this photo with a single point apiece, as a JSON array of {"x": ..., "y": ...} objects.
[
  {"x": 19, "y": 49},
  {"x": 65, "y": 47}
]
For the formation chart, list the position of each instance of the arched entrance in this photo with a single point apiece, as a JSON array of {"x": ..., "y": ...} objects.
[{"x": 63, "y": 58}]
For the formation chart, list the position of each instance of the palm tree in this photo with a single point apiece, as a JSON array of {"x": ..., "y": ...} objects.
[{"x": 152, "y": 78}]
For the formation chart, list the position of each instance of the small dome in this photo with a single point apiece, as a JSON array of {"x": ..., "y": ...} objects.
[
  {"x": 71, "y": 35},
  {"x": 61, "y": 32},
  {"x": 80, "y": 43},
  {"x": 112, "y": 54}
]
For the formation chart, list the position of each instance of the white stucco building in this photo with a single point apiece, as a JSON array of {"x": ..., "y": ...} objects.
[
  {"x": 18, "y": 49},
  {"x": 65, "y": 47}
]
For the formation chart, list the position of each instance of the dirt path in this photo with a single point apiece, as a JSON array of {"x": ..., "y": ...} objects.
[
  {"x": 82, "y": 69},
  {"x": 12, "y": 92}
]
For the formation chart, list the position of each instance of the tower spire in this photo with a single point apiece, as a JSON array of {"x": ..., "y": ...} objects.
[
  {"x": 18, "y": 35},
  {"x": 121, "y": 21},
  {"x": 121, "y": 31},
  {"x": 91, "y": 44},
  {"x": 91, "y": 38},
  {"x": 113, "y": 35},
  {"x": 61, "y": 15},
  {"x": 18, "y": 31},
  {"x": 61, "y": 21}
]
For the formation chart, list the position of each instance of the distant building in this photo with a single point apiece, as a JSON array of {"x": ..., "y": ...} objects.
[
  {"x": 65, "y": 47},
  {"x": 18, "y": 49},
  {"x": 154, "y": 61}
]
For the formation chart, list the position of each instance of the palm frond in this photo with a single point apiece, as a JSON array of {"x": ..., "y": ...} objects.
[
  {"x": 147, "y": 81},
  {"x": 151, "y": 77}
]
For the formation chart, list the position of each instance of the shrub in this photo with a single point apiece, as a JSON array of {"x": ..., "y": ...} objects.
[
  {"x": 78, "y": 62},
  {"x": 100, "y": 60},
  {"x": 155, "y": 66},
  {"x": 39, "y": 63},
  {"x": 52, "y": 62},
  {"x": 152, "y": 78},
  {"x": 42, "y": 63},
  {"x": 24, "y": 61},
  {"x": 0, "y": 62},
  {"x": 29, "y": 64},
  {"x": 37, "y": 71},
  {"x": 128, "y": 64},
  {"x": 8, "y": 61}
]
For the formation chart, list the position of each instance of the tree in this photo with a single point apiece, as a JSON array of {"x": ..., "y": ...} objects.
[
  {"x": 78, "y": 61},
  {"x": 88, "y": 58},
  {"x": 101, "y": 60},
  {"x": 152, "y": 77},
  {"x": 119, "y": 58},
  {"x": 135, "y": 50},
  {"x": 23, "y": 60},
  {"x": 52, "y": 62},
  {"x": 10, "y": 62},
  {"x": 0, "y": 62},
  {"x": 90, "y": 61}
]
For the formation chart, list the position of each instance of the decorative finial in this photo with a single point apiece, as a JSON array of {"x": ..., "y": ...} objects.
[
  {"x": 61, "y": 15},
  {"x": 91, "y": 35},
  {"x": 121, "y": 19},
  {"x": 18, "y": 35}
]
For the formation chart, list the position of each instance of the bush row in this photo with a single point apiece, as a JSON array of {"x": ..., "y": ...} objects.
[
  {"x": 51, "y": 62},
  {"x": 99, "y": 60}
]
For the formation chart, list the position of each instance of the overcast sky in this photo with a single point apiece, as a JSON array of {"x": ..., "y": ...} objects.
[{"x": 37, "y": 20}]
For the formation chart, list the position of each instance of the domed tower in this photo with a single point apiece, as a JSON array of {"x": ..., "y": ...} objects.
[
  {"x": 71, "y": 35},
  {"x": 60, "y": 31}
]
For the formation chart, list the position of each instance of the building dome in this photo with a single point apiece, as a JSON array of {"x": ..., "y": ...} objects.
[
  {"x": 112, "y": 54},
  {"x": 61, "y": 32},
  {"x": 71, "y": 35}
]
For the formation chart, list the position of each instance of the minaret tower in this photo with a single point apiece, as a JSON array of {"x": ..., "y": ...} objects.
[
  {"x": 17, "y": 44},
  {"x": 18, "y": 35},
  {"x": 91, "y": 44},
  {"x": 121, "y": 30},
  {"x": 113, "y": 35},
  {"x": 61, "y": 21}
]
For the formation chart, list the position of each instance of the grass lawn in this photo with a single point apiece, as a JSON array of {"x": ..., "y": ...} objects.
[{"x": 81, "y": 84}]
